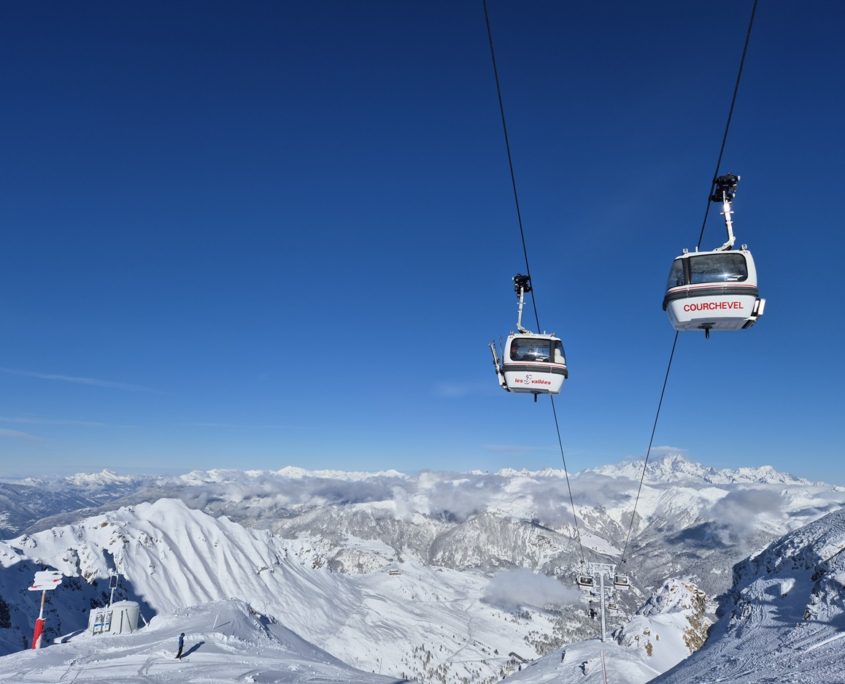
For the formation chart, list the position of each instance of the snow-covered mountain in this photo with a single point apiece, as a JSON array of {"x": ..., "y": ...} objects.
[
  {"x": 409, "y": 618},
  {"x": 782, "y": 621},
  {"x": 25, "y": 502},
  {"x": 435, "y": 576},
  {"x": 784, "y": 618},
  {"x": 674, "y": 467},
  {"x": 668, "y": 628}
]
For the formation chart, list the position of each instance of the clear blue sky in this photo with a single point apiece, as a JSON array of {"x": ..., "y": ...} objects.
[{"x": 269, "y": 233}]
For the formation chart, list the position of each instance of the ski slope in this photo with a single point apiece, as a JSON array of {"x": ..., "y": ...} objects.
[{"x": 225, "y": 642}]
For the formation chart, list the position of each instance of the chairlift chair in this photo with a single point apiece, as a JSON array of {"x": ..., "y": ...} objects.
[
  {"x": 585, "y": 582},
  {"x": 621, "y": 582},
  {"x": 531, "y": 363},
  {"x": 715, "y": 290}
]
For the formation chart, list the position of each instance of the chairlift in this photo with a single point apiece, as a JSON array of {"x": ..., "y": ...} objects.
[
  {"x": 715, "y": 290},
  {"x": 585, "y": 582},
  {"x": 531, "y": 363}
]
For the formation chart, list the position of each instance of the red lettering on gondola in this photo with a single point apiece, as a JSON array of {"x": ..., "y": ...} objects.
[{"x": 712, "y": 306}]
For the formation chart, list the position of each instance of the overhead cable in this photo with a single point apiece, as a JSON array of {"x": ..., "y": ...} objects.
[
  {"x": 728, "y": 122},
  {"x": 525, "y": 255},
  {"x": 700, "y": 237}
]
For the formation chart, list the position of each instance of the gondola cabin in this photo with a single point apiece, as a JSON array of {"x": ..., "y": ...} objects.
[
  {"x": 531, "y": 363},
  {"x": 534, "y": 363},
  {"x": 713, "y": 291}
]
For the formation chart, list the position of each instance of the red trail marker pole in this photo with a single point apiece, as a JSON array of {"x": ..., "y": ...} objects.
[{"x": 45, "y": 580}]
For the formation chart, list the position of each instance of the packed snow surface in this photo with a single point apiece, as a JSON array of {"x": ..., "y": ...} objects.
[{"x": 225, "y": 641}]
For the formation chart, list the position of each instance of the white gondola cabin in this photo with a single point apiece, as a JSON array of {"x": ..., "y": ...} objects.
[
  {"x": 532, "y": 363},
  {"x": 715, "y": 290}
]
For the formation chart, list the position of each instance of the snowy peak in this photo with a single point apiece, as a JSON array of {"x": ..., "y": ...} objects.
[
  {"x": 673, "y": 467},
  {"x": 523, "y": 472},
  {"x": 218, "y": 476},
  {"x": 103, "y": 478},
  {"x": 763, "y": 475}
]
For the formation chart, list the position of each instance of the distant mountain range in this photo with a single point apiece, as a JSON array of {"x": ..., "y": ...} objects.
[{"x": 433, "y": 576}]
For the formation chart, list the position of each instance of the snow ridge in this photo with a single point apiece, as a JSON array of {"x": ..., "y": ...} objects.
[
  {"x": 786, "y": 603},
  {"x": 674, "y": 467}
]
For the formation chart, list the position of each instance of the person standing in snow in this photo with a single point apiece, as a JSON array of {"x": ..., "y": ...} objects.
[{"x": 181, "y": 646}]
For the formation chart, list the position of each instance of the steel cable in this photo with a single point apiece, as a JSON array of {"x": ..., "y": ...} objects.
[
  {"x": 728, "y": 122},
  {"x": 700, "y": 237},
  {"x": 650, "y": 443},
  {"x": 525, "y": 254}
]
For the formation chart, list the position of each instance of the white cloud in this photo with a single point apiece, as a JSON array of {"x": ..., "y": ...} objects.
[
  {"x": 17, "y": 434},
  {"x": 457, "y": 390},
  {"x": 513, "y": 448},
  {"x": 664, "y": 451},
  {"x": 27, "y": 420},
  {"x": 738, "y": 513},
  {"x": 239, "y": 426},
  {"x": 77, "y": 380},
  {"x": 512, "y": 589}
]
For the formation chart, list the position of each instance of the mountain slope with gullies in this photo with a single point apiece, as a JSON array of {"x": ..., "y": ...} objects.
[
  {"x": 784, "y": 617},
  {"x": 432, "y": 624}
]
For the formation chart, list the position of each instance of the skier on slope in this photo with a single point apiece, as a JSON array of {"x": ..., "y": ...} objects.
[{"x": 181, "y": 646}]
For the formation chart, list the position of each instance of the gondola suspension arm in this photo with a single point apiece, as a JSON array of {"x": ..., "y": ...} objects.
[
  {"x": 725, "y": 192},
  {"x": 521, "y": 285}
]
